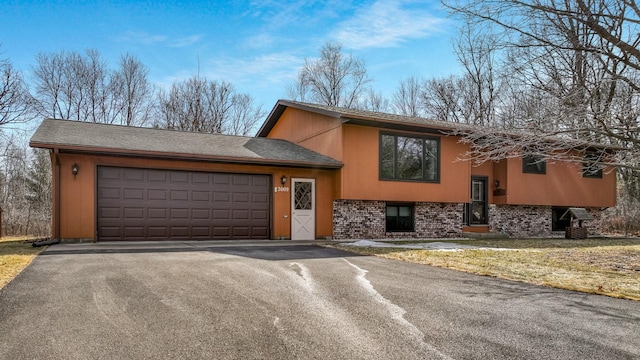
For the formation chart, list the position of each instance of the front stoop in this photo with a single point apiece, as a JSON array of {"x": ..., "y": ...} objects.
[{"x": 484, "y": 235}]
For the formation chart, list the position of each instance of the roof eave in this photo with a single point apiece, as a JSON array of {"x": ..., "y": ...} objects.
[
  {"x": 279, "y": 109},
  {"x": 188, "y": 157}
]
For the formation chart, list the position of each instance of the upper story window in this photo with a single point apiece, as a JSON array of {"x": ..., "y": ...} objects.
[
  {"x": 534, "y": 164},
  {"x": 591, "y": 166},
  {"x": 410, "y": 158}
]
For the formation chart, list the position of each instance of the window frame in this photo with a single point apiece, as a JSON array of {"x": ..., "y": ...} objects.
[
  {"x": 423, "y": 138},
  {"x": 530, "y": 167},
  {"x": 411, "y": 207},
  {"x": 589, "y": 160}
]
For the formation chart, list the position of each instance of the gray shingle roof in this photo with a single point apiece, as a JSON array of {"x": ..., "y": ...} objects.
[
  {"x": 385, "y": 120},
  {"x": 359, "y": 116},
  {"x": 104, "y": 138}
]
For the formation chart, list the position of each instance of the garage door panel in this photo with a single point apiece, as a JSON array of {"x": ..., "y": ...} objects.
[
  {"x": 153, "y": 204},
  {"x": 109, "y": 193},
  {"x": 259, "y": 215},
  {"x": 135, "y": 175},
  {"x": 179, "y": 177},
  {"x": 200, "y": 195},
  {"x": 159, "y": 232},
  {"x": 136, "y": 232},
  {"x": 157, "y": 176},
  {"x": 241, "y": 197},
  {"x": 134, "y": 213},
  {"x": 158, "y": 213},
  {"x": 156, "y": 194},
  {"x": 259, "y": 231}
]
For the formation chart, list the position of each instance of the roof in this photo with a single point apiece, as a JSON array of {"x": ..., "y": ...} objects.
[
  {"x": 406, "y": 123},
  {"x": 362, "y": 117},
  {"x": 577, "y": 213},
  {"x": 67, "y": 135}
]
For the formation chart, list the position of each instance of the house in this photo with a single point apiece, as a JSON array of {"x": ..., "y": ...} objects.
[{"x": 312, "y": 171}]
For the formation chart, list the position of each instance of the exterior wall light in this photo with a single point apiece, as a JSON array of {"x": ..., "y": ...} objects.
[
  {"x": 74, "y": 170},
  {"x": 283, "y": 179},
  {"x": 496, "y": 184}
]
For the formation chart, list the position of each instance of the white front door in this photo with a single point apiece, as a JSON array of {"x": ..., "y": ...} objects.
[{"x": 303, "y": 209}]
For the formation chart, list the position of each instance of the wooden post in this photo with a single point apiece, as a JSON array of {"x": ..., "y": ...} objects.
[{"x": 0, "y": 223}]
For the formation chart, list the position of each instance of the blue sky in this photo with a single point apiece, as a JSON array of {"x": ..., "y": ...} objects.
[{"x": 258, "y": 46}]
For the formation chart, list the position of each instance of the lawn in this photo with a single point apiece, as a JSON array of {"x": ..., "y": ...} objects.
[
  {"x": 600, "y": 266},
  {"x": 15, "y": 254}
]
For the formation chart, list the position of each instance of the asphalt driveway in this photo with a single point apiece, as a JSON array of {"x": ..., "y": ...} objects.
[{"x": 202, "y": 301}]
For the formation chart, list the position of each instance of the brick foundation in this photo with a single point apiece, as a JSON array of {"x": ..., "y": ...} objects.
[
  {"x": 356, "y": 219},
  {"x": 520, "y": 220},
  {"x": 531, "y": 221}
]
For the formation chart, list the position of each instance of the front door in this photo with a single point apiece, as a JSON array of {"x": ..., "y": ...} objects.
[
  {"x": 303, "y": 209},
  {"x": 477, "y": 210}
]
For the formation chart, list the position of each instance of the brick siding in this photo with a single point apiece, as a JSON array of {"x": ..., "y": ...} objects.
[
  {"x": 362, "y": 219},
  {"x": 357, "y": 219}
]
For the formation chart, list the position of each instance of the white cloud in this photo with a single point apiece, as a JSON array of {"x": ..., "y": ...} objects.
[
  {"x": 268, "y": 70},
  {"x": 184, "y": 41},
  {"x": 387, "y": 23},
  {"x": 271, "y": 68},
  {"x": 141, "y": 37}
]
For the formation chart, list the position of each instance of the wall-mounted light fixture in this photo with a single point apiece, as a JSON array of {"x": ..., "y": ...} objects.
[
  {"x": 496, "y": 184},
  {"x": 283, "y": 179},
  {"x": 74, "y": 170}
]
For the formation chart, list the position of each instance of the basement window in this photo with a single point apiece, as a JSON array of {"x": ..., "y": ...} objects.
[{"x": 399, "y": 218}]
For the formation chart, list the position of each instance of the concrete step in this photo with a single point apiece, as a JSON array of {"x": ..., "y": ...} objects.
[{"x": 487, "y": 235}]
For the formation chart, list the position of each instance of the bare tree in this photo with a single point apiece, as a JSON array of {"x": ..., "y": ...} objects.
[
  {"x": 15, "y": 101},
  {"x": 38, "y": 193},
  {"x": 448, "y": 99},
  {"x": 406, "y": 100},
  {"x": 132, "y": 89},
  {"x": 206, "y": 106},
  {"x": 333, "y": 79},
  {"x": 82, "y": 87},
  {"x": 580, "y": 56},
  {"x": 476, "y": 49},
  {"x": 373, "y": 101},
  {"x": 244, "y": 116}
]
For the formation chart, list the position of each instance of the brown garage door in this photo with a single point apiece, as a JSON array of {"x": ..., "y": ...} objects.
[{"x": 148, "y": 204}]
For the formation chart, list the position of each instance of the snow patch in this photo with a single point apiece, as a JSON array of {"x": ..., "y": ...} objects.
[{"x": 397, "y": 312}]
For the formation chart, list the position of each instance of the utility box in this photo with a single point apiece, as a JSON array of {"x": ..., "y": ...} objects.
[{"x": 576, "y": 228}]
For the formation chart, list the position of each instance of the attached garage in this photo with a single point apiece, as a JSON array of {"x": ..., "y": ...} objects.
[
  {"x": 123, "y": 183},
  {"x": 155, "y": 204}
]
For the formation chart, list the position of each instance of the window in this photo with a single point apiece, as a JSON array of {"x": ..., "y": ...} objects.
[
  {"x": 591, "y": 166},
  {"x": 399, "y": 217},
  {"x": 534, "y": 164},
  {"x": 409, "y": 158},
  {"x": 556, "y": 223}
]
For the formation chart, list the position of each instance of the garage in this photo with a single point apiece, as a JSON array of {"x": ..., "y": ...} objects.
[{"x": 158, "y": 204}]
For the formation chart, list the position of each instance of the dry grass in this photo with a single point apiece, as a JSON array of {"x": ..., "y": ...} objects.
[
  {"x": 15, "y": 254},
  {"x": 600, "y": 266}
]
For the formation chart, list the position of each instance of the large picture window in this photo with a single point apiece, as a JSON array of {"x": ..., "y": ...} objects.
[
  {"x": 409, "y": 158},
  {"x": 399, "y": 217}
]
